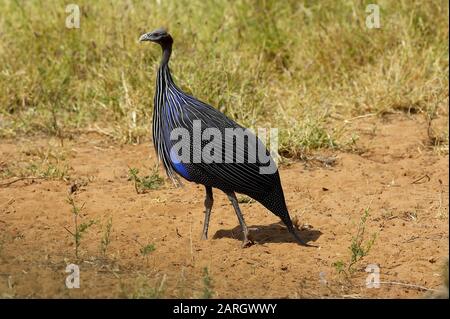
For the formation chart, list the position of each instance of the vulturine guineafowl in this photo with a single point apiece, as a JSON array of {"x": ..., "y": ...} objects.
[{"x": 235, "y": 168}]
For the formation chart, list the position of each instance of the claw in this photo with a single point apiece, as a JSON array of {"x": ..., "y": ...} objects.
[{"x": 247, "y": 243}]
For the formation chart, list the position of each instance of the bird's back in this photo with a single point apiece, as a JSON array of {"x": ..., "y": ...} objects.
[{"x": 239, "y": 166}]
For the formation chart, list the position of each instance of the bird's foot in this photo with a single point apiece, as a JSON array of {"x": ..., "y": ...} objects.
[
  {"x": 204, "y": 236},
  {"x": 247, "y": 242}
]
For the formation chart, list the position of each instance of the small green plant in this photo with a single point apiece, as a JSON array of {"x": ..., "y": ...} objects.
[
  {"x": 147, "y": 249},
  {"x": 106, "y": 238},
  {"x": 207, "y": 285},
  {"x": 339, "y": 266},
  {"x": 52, "y": 171},
  {"x": 37, "y": 168},
  {"x": 142, "y": 184},
  {"x": 79, "y": 229},
  {"x": 359, "y": 248}
]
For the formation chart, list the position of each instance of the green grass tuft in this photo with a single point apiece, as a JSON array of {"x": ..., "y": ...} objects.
[
  {"x": 359, "y": 247},
  {"x": 147, "y": 249},
  {"x": 144, "y": 183},
  {"x": 207, "y": 285}
]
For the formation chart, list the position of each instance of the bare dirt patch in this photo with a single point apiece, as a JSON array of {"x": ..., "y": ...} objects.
[{"x": 396, "y": 176}]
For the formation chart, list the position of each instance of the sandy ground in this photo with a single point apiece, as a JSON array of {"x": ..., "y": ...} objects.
[{"x": 402, "y": 181}]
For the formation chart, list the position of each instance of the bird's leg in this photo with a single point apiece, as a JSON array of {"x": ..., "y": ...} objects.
[
  {"x": 232, "y": 197},
  {"x": 208, "y": 205}
]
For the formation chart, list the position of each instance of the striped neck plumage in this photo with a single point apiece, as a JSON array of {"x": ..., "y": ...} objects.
[
  {"x": 164, "y": 76},
  {"x": 164, "y": 85},
  {"x": 166, "y": 52}
]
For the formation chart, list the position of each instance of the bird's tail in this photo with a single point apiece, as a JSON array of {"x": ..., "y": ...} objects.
[{"x": 276, "y": 204}]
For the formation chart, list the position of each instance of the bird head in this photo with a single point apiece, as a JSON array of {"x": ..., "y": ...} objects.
[{"x": 160, "y": 36}]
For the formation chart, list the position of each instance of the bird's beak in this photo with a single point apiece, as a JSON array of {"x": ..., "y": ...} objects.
[{"x": 144, "y": 37}]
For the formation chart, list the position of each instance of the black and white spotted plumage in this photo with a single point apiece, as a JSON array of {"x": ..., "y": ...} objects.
[{"x": 174, "y": 109}]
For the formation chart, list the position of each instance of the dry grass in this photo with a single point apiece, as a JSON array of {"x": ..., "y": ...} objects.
[{"x": 290, "y": 64}]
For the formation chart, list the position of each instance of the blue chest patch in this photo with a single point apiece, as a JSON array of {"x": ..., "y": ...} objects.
[
  {"x": 170, "y": 113},
  {"x": 179, "y": 167}
]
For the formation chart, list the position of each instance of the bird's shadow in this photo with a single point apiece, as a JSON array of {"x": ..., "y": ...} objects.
[{"x": 273, "y": 233}]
